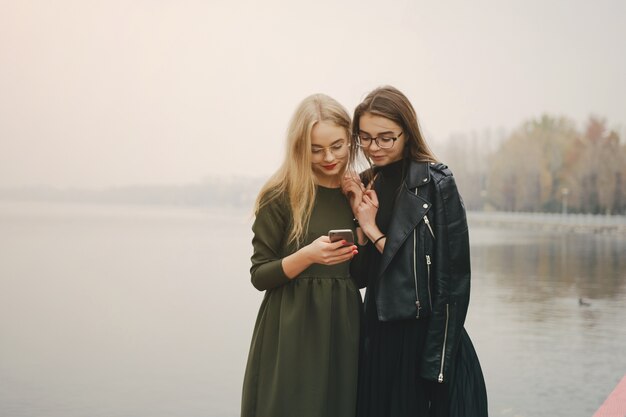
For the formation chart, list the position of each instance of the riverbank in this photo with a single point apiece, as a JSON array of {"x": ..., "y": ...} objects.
[{"x": 573, "y": 223}]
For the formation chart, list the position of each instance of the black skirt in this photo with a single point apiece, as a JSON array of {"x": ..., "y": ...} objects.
[{"x": 390, "y": 384}]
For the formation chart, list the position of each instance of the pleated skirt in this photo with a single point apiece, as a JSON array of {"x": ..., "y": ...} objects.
[
  {"x": 390, "y": 384},
  {"x": 304, "y": 353}
]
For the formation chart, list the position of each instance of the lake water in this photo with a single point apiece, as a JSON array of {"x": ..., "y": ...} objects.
[{"x": 139, "y": 311}]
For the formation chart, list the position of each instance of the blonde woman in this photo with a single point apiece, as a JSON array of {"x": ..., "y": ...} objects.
[{"x": 304, "y": 351}]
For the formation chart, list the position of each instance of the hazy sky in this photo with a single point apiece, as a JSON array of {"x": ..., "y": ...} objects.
[{"x": 99, "y": 93}]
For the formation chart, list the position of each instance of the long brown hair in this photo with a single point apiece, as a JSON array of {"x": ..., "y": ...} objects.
[
  {"x": 295, "y": 179},
  {"x": 390, "y": 103}
]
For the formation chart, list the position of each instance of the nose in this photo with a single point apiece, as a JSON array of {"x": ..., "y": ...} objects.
[
  {"x": 328, "y": 155},
  {"x": 372, "y": 145}
]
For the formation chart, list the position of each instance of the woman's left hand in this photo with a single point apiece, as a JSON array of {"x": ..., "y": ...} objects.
[
  {"x": 353, "y": 188},
  {"x": 366, "y": 211}
]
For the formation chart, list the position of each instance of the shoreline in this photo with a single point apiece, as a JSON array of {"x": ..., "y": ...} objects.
[
  {"x": 554, "y": 222},
  {"x": 550, "y": 222}
]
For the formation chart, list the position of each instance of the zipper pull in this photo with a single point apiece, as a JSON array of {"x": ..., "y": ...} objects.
[
  {"x": 418, "y": 308},
  {"x": 430, "y": 229},
  {"x": 440, "y": 379},
  {"x": 428, "y": 260}
]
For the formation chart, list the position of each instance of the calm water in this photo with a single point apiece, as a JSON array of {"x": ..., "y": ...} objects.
[{"x": 126, "y": 311}]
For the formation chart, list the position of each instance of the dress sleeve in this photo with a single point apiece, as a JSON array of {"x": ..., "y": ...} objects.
[{"x": 270, "y": 228}]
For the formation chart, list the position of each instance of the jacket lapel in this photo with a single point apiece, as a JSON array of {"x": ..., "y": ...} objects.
[{"x": 408, "y": 211}]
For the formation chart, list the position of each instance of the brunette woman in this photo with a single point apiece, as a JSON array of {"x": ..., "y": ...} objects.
[{"x": 416, "y": 358}]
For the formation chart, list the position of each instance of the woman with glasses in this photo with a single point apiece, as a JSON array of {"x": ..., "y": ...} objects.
[
  {"x": 416, "y": 358},
  {"x": 303, "y": 358}
]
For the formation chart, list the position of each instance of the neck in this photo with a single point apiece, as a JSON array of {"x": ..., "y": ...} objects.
[{"x": 329, "y": 182}]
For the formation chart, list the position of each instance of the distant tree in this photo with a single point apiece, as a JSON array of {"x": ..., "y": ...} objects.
[
  {"x": 544, "y": 165},
  {"x": 526, "y": 172},
  {"x": 597, "y": 169}
]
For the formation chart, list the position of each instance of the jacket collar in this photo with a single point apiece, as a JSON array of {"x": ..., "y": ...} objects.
[
  {"x": 409, "y": 209},
  {"x": 418, "y": 174}
]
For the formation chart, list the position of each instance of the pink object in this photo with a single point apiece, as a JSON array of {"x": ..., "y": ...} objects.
[{"x": 615, "y": 404}]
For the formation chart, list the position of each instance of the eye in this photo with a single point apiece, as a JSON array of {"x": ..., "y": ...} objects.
[
  {"x": 384, "y": 139},
  {"x": 316, "y": 151},
  {"x": 337, "y": 147}
]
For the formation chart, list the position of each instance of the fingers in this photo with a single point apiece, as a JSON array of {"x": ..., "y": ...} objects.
[
  {"x": 331, "y": 253},
  {"x": 371, "y": 183},
  {"x": 343, "y": 249},
  {"x": 367, "y": 199},
  {"x": 340, "y": 243},
  {"x": 352, "y": 180},
  {"x": 352, "y": 187},
  {"x": 343, "y": 255},
  {"x": 373, "y": 196},
  {"x": 324, "y": 238}
]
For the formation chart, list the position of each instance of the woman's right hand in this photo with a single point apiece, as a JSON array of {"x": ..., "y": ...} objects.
[{"x": 323, "y": 251}]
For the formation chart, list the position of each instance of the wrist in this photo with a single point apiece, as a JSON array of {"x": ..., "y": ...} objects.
[
  {"x": 379, "y": 238},
  {"x": 371, "y": 231},
  {"x": 307, "y": 255}
]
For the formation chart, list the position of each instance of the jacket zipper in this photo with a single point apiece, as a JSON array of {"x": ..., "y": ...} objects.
[
  {"x": 429, "y": 226},
  {"x": 428, "y": 263},
  {"x": 445, "y": 340},
  {"x": 417, "y": 298}
]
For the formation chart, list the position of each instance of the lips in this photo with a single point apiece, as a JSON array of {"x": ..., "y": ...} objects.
[{"x": 329, "y": 167}]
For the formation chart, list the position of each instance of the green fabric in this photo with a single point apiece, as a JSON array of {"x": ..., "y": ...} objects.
[{"x": 304, "y": 351}]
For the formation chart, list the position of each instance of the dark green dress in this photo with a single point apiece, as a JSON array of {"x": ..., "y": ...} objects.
[{"x": 304, "y": 353}]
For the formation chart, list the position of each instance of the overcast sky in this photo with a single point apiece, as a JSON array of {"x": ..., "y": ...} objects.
[{"x": 119, "y": 92}]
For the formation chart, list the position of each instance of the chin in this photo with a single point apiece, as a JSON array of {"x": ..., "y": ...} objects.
[{"x": 331, "y": 174}]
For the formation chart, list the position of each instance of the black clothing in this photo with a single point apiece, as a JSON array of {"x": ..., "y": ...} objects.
[{"x": 416, "y": 300}]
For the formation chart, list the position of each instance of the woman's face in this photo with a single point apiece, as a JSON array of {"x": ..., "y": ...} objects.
[
  {"x": 372, "y": 126},
  {"x": 329, "y": 152}
]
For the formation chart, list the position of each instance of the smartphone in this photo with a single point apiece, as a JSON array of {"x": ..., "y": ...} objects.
[{"x": 341, "y": 234}]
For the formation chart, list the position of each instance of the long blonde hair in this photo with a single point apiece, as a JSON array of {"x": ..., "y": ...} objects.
[{"x": 295, "y": 179}]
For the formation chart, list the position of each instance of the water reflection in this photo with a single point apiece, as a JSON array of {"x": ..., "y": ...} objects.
[
  {"x": 544, "y": 353},
  {"x": 549, "y": 265},
  {"x": 149, "y": 312}
]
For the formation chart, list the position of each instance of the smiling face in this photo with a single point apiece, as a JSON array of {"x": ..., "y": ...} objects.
[
  {"x": 377, "y": 126},
  {"x": 329, "y": 153}
]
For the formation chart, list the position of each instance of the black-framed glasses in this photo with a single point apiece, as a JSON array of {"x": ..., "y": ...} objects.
[{"x": 383, "y": 142}]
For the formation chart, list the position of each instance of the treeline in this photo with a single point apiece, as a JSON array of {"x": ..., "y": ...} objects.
[{"x": 546, "y": 165}]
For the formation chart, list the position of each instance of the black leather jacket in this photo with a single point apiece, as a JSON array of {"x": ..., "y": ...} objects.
[{"x": 425, "y": 267}]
